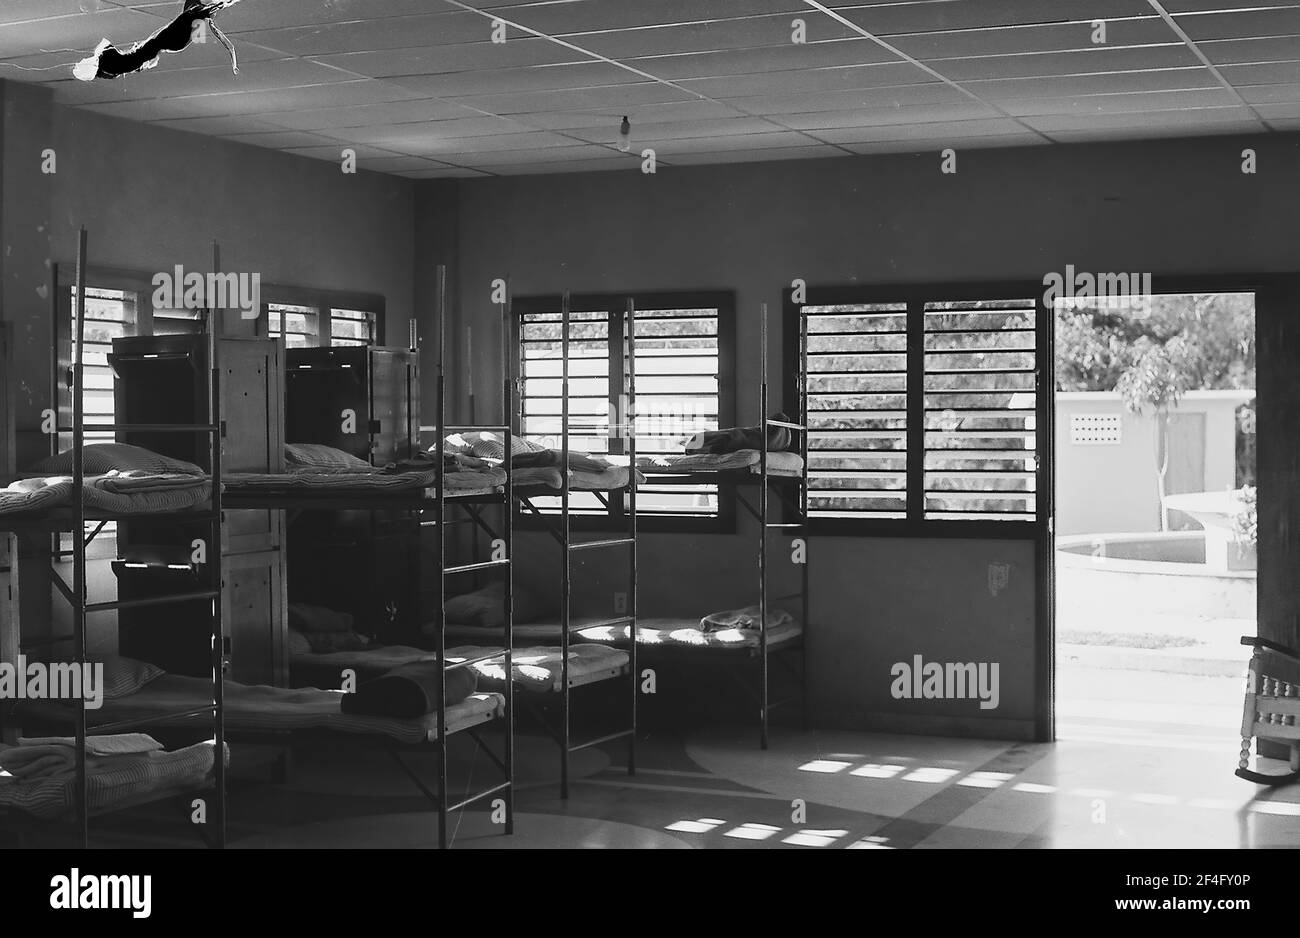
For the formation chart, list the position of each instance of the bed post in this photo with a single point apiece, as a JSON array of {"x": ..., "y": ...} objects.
[
  {"x": 79, "y": 537},
  {"x": 215, "y": 557},
  {"x": 762, "y": 529},
  {"x": 508, "y": 530},
  {"x": 10, "y": 608},
  {"x": 629, "y": 420},
  {"x": 804, "y": 528},
  {"x": 566, "y": 582},
  {"x": 10, "y": 618},
  {"x": 440, "y": 388}
]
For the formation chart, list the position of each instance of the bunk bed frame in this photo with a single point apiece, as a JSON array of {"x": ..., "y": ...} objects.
[
  {"x": 74, "y": 520},
  {"x": 791, "y": 493},
  {"x": 560, "y": 528},
  {"x": 438, "y": 502}
]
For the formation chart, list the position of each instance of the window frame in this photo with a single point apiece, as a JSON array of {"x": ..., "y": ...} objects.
[
  {"x": 916, "y": 296},
  {"x": 324, "y": 302},
  {"x": 724, "y": 301}
]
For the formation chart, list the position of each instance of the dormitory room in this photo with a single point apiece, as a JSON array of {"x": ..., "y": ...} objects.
[{"x": 513, "y": 424}]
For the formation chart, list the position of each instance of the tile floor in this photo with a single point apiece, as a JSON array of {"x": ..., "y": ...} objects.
[{"x": 1143, "y": 760}]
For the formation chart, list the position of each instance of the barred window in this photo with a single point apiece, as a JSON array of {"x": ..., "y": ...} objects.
[
  {"x": 922, "y": 409},
  {"x": 679, "y": 363},
  {"x": 299, "y": 326}
]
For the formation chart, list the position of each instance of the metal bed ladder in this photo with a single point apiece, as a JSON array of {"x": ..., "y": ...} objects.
[
  {"x": 625, "y": 424},
  {"x": 797, "y": 529},
  {"x": 506, "y": 761},
  {"x": 76, "y": 592}
]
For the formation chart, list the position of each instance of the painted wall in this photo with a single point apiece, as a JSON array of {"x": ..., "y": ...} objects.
[
  {"x": 1162, "y": 206},
  {"x": 1112, "y": 487}
]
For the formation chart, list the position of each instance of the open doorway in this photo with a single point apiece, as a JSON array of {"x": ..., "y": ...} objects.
[{"x": 1155, "y": 514}]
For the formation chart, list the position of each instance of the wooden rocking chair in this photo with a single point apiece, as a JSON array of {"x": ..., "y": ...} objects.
[{"x": 1271, "y": 712}]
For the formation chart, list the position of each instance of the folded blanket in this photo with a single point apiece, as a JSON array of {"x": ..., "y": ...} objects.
[
  {"x": 116, "y": 492},
  {"x": 737, "y": 438},
  {"x": 747, "y": 618},
  {"x": 52, "y": 757},
  {"x": 410, "y": 690},
  {"x": 115, "y": 745},
  {"x": 111, "y": 781},
  {"x": 38, "y": 761}
]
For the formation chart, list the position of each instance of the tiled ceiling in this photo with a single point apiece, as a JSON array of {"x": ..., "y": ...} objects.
[{"x": 418, "y": 88}]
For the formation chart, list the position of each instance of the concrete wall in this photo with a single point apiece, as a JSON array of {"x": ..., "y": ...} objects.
[
  {"x": 1006, "y": 215},
  {"x": 1112, "y": 487}
]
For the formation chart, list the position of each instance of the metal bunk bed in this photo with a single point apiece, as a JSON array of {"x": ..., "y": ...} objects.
[
  {"x": 74, "y": 519},
  {"x": 792, "y": 495},
  {"x": 438, "y": 502},
  {"x": 560, "y": 529}
]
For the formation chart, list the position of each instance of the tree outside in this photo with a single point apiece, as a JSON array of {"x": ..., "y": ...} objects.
[{"x": 1198, "y": 342}]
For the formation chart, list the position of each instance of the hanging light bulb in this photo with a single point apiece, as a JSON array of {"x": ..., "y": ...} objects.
[{"x": 625, "y": 135}]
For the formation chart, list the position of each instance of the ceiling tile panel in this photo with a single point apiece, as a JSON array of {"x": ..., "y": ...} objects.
[
  {"x": 1084, "y": 62},
  {"x": 845, "y": 78},
  {"x": 618, "y": 96},
  {"x": 930, "y": 93},
  {"x": 765, "y": 60},
  {"x": 958, "y": 111},
  {"x": 956, "y": 143},
  {"x": 1122, "y": 103},
  {"x": 368, "y": 115},
  {"x": 1234, "y": 116},
  {"x": 1236, "y": 51},
  {"x": 709, "y": 37},
  {"x": 390, "y": 32},
  {"x": 510, "y": 80},
  {"x": 1273, "y": 73},
  {"x": 1244, "y": 24},
  {"x": 1172, "y": 79},
  {"x": 588, "y": 16},
  {"x": 1149, "y": 31},
  {"x": 894, "y": 19},
  {"x": 461, "y": 57},
  {"x": 938, "y": 131}
]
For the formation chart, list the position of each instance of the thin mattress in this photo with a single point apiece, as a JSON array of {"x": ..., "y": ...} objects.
[
  {"x": 778, "y": 463},
  {"x": 651, "y": 632},
  {"x": 476, "y": 482},
  {"x": 254, "y": 708},
  {"x": 535, "y": 669},
  {"x": 548, "y": 479}
]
